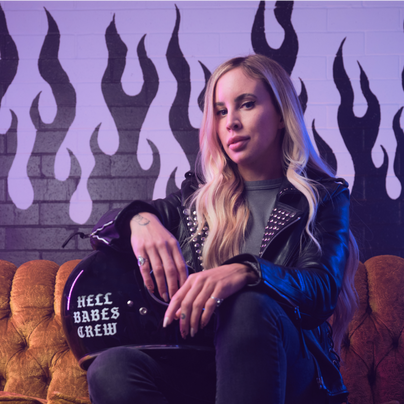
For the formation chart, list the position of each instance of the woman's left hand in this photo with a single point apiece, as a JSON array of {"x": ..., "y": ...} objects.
[{"x": 197, "y": 292}]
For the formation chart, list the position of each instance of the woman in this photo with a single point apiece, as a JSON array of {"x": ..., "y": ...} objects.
[{"x": 276, "y": 291}]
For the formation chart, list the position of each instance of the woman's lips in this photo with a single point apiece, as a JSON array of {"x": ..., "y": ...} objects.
[{"x": 238, "y": 143}]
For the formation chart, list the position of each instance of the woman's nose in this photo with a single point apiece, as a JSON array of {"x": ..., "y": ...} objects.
[{"x": 233, "y": 122}]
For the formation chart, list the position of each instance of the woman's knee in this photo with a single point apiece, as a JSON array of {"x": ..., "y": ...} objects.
[
  {"x": 249, "y": 309},
  {"x": 249, "y": 317},
  {"x": 112, "y": 373}
]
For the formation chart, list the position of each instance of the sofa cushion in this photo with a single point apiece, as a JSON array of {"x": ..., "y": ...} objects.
[
  {"x": 373, "y": 350},
  {"x": 35, "y": 359}
]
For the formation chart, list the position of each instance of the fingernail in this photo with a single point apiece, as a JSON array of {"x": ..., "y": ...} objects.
[
  {"x": 165, "y": 322},
  {"x": 192, "y": 332},
  {"x": 165, "y": 296}
]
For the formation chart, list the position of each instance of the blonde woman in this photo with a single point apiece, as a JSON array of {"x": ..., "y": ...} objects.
[{"x": 260, "y": 236}]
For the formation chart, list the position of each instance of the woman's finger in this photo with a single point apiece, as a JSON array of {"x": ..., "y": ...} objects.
[
  {"x": 210, "y": 306},
  {"x": 144, "y": 267},
  {"x": 171, "y": 269},
  {"x": 198, "y": 307},
  {"x": 174, "y": 309},
  {"x": 181, "y": 266},
  {"x": 158, "y": 272},
  {"x": 187, "y": 304}
]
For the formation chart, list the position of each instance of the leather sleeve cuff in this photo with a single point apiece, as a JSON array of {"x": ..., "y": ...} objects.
[{"x": 251, "y": 261}]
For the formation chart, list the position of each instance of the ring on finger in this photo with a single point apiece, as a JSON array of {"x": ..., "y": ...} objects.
[
  {"x": 141, "y": 260},
  {"x": 218, "y": 301}
]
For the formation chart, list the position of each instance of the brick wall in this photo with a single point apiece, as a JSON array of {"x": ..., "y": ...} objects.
[{"x": 78, "y": 136}]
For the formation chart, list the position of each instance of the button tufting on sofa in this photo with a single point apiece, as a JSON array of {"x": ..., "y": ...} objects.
[
  {"x": 373, "y": 350},
  {"x": 37, "y": 366}
]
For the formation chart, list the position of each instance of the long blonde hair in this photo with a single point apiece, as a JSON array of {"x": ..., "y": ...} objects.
[{"x": 220, "y": 203}]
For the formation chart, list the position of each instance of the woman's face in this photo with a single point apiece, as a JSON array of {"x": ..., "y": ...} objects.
[{"x": 248, "y": 125}]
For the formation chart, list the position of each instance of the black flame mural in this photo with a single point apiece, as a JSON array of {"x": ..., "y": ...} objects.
[
  {"x": 185, "y": 134},
  {"x": 373, "y": 212},
  {"x": 118, "y": 178},
  {"x": 8, "y": 70},
  {"x": 127, "y": 179},
  {"x": 286, "y": 54},
  {"x": 49, "y": 136}
]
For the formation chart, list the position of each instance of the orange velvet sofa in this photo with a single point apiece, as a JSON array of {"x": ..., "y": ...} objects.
[{"x": 37, "y": 366}]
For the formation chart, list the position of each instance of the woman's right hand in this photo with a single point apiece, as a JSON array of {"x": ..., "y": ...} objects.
[{"x": 162, "y": 253}]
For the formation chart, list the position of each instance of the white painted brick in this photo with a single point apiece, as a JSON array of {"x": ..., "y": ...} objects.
[
  {"x": 382, "y": 4},
  {"x": 158, "y": 20},
  {"x": 385, "y": 43},
  {"x": 345, "y": 167},
  {"x": 21, "y": 22},
  {"x": 310, "y": 68},
  {"x": 376, "y": 67},
  {"x": 21, "y": 6},
  {"x": 91, "y": 47},
  {"x": 309, "y": 19},
  {"x": 318, "y": 112},
  {"x": 374, "y": 19},
  {"x": 387, "y": 140},
  {"x": 327, "y": 4},
  {"x": 199, "y": 44},
  {"x": 156, "y": 46},
  {"x": 28, "y": 46},
  {"x": 74, "y": 22},
  {"x": 220, "y": 20},
  {"x": 327, "y": 44},
  {"x": 326, "y": 92},
  {"x": 159, "y": 124},
  {"x": 388, "y": 113},
  {"x": 215, "y": 5},
  {"x": 111, "y": 5},
  {"x": 232, "y": 45},
  {"x": 67, "y": 48},
  {"x": 15, "y": 98},
  {"x": 56, "y": 5},
  {"x": 389, "y": 91},
  {"x": 86, "y": 70}
]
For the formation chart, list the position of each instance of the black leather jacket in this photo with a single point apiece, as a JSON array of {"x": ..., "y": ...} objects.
[{"x": 305, "y": 282}]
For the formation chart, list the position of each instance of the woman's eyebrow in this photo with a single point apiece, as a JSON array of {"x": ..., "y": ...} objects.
[
  {"x": 245, "y": 95},
  {"x": 237, "y": 99}
]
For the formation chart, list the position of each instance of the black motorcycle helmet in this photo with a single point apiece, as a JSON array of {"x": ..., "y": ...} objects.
[{"x": 105, "y": 304}]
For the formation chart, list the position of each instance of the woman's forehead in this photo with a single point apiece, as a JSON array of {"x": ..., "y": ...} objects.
[{"x": 236, "y": 82}]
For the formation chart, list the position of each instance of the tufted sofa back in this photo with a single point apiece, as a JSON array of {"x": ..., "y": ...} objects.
[
  {"x": 35, "y": 360},
  {"x": 373, "y": 350},
  {"x": 37, "y": 366}
]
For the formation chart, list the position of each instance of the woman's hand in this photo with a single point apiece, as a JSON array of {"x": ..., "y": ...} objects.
[
  {"x": 197, "y": 292},
  {"x": 162, "y": 253}
]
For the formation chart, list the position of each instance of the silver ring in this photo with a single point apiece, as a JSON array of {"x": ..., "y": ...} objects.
[
  {"x": 218, "y": 301},
  {"x": 141, "y": 260}
]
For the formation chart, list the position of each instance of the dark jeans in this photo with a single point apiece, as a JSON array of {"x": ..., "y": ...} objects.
[{"x": 258, "y": 360}]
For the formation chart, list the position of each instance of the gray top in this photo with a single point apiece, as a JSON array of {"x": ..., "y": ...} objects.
[{"x": 260, "y": 196}]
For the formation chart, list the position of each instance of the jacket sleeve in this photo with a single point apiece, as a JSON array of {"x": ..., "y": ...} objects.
[
  {"x": 113, "y": 229},
  {"x": 309, "y": 288}
]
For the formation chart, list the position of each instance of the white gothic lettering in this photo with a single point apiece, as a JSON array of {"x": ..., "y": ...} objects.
[{"x": 101, "y": 316}]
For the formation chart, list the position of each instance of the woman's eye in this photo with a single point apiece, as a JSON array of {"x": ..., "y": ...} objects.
[
  {"x": 249, "y": 104},
  {"x": 222, "y": 112}
]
